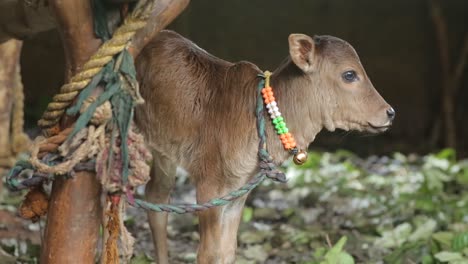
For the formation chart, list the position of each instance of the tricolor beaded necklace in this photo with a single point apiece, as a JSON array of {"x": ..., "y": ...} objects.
[{"x": 289, "y": 143}]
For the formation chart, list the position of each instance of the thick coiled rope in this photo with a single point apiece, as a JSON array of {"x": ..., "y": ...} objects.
[{"x": 119, "y": 41}]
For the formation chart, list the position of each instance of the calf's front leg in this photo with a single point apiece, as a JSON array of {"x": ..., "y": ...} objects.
[{"x": 218, "y": 226}]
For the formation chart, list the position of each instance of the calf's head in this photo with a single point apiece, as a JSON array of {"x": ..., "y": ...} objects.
[{"x": 335, "y": 76}]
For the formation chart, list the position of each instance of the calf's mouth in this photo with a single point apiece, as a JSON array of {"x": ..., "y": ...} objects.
[{"x": 379, "y": 129}]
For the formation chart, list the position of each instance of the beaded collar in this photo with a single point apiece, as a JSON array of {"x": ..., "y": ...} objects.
[{"x": 289, "y": 143}]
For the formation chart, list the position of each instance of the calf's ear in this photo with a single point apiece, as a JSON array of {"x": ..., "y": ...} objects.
[{"x": 301, "y": 50}]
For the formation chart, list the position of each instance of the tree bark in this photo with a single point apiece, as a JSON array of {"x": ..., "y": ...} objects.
[
  {"x": 9, "y": 69},
  {"x": 451, "y": 76},
  {"x": 74, "y": 213},
  {"x": 74, "y": 218},
  {"x": 165, "y": 11},
  {"x": 21, "y": 19}
]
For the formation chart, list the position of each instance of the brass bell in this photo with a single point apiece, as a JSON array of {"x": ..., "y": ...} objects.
[{"x": 300, "y": 157}]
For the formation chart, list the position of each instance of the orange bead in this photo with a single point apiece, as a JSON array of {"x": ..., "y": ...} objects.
[
  {"x": 272, "y": 98},
  {"x": 287, "y": 146},
  {"x": 283, "y": 136}
]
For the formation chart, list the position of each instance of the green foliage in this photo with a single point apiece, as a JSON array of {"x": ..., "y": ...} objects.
[{"x": 406, "y": 209}]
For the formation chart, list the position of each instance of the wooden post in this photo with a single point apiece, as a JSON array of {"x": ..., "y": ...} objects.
[
  {"x": 74, "y": 213},
  {"x": 9, "y": 66}
]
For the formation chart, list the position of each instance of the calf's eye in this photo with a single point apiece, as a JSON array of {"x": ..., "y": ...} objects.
[{"x": 349, "y": 76}]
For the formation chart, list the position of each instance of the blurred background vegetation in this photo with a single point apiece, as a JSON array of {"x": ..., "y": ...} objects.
[{"x": 398, "y": 43}]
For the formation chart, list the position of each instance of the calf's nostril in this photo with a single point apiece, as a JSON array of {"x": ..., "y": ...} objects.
[{"x": 391, "y": 113}]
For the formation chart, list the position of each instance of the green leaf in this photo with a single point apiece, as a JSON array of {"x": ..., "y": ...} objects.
[
  {"x": 336, "y": 255},
  {"x": 345, "y": 258},
  {"x": 447, "y": 154},
  {"x": 247, "y": 214},
  {"x": 320, "y": 252},
  {"x": 427, "y": 259},
  {"x": 394, "y": 238},
  {"x": 444, "y": 238},
  {"x": 460, "y": 241},
  {"x": 434, "y": 162},
  {"x": 447, "y": 256},
  {"x": 423, "y": 231},
  {"x": 339, "y": 245}
]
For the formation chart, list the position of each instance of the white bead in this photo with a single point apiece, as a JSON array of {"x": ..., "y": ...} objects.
[
  {"x": 273, "y": 103},
  {"x": 268, "y": 106},
  {"x": 277, "y": 113},
  {"x": 271, "y": 111},
  {"x": 275, "y": 108},
  {"x": 273, "y": 116}
]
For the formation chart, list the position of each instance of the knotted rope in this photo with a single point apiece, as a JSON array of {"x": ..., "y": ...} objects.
[{"x": 106, "y": 52}]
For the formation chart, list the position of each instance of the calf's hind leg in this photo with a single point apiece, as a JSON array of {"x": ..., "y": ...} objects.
[{"x": 158, "y": 190}]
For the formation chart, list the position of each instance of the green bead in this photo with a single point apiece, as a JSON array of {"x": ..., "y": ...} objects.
[
  {"x": 277, "y": 120},
  {"x": 286, "y": 130},
  {"x": 280, "y": 126},
  {"x": 279, "y": 131}
]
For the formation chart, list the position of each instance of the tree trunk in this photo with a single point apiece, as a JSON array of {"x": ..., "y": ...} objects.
[
  {"x": 74, "y": 213},
  {"x": 74, "y": 218},
  {"x": 451, "y": 76},
  {"x": 9, "y": 69}
]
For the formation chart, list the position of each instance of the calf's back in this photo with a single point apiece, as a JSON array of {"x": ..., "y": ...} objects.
[{"x": 199, "y": 109}]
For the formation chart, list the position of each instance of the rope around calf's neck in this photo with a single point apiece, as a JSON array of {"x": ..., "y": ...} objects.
[{"x": 267, "y": 170}]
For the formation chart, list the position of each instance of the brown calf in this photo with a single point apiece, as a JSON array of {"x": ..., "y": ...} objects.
[{"x": 200, "y": 114}]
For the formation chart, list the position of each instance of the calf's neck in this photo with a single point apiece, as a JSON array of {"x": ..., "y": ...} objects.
[{"x": 200, "y": 114}]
